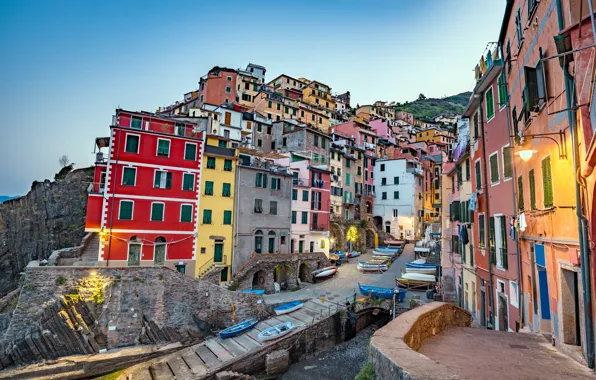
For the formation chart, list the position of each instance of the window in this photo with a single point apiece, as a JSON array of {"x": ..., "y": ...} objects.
[
  {"x": 223, "y": 143},
  {"x": 323, "y": 142},
  {"x": 132, "y": 143},
  {"x": 163, "y": 148},
  {"x": 259, "y": 241},
  {"x": 136, "y": 123},
  {"x": 304, "y": 217},
  {"x": 359, "y": 170},
  {"x": 294, "y": 217},
  {"x": 228, "y": 165},
  {"x": 490, "y": 104},
  {"x": 162, "y": 180},
  {"x": 227, "y": 217},
  {"x": 258, "y": 206},
  {"x": 272, "y": 208},
  {"x": 384, "y": 195},
  {"x": 478, "y": 176},
  {"x": 316, "y": 140},
  {"x": 210, "y": 162},
  {"x": 129, "y": 176},
  {"x": 275, "y": 183},
  {"x": 519, "y": 29},
  {"x": 269, "y": 129},
  {"x": 208, "y": 187},
  {"x": 507, "y": 163},
  {"x": 395, "y": 212},
  {"x": 382, "y": 167},
  {"x": 475, "y": 125},
  {"x": 396, "y": 195},
  {"x": 206, "y": 216},
  {"x": 481, "y": 221},
  {"x": 547, "y": 183},
  {"x": 270, "y": 105},
  {"x": 348, "y": 163},
  {"x": 179, "y": 129},
  {"x": 226, "y": 190},
  {"x": 502, "y": 89},
  {"x": 467, "y": 169},
  {"x": 157, "y": 210},
  {"x": 228, "y": 90},
  {"x": 396, "y": 180},
  {"x": 188, "y": 181},
  {"x": 259, "y": 128},
  {"x": 532, "y": 190},
  {"x": 383, "y": 181},
  {"x": 294, "y": 194},
  {"x": 520, "y": 193},
  {"x": 190, "y": 151},
  {"x": 348, "y": 179},
  {"x": 272, "y": 145},
  {"x": 305, "y": 195},
  {"x": 508, "y": 56},
  {"x": 261, "y": 180},
  {"x": 535, "y": 90},
  {"x": 125, "y": 211},
  {"x": 259, "y": 143},
  {"x": 278, "y": 106},
  {"x": 229, "y": 78},
  {"x": 284, "y": 142},
  {"x": 186, "y": 213},
  {"x": 494, "y": 168}
]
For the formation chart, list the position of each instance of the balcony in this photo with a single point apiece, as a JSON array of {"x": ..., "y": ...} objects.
[
  {"x": 318, "y": 183},
  {"x": 220, "y": 151},
  {"x": 96, "y": 188},
  {"x": 300, "y": 182},
  {"x": 415, "y": 171},
  {"x": 318, "y": 227}
]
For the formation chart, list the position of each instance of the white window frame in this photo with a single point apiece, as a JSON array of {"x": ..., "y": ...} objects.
[
  {"x": 513, "y": 294},
  {"x": 169, "y": 147},
  {"x": 196, "y": 150},
  {"x": 191, "y": 212},
  {"x": 491, "y": 169},
  {"x": 163, "y": 215},
  {"x": 132, "y": 212},
  {"x": 478, "y": 160},
  {"x": 129, "y": 167},
  {"x": 477, "y": 230},
  {"x": 497, "y": 304},
  {"x": 505, "y": 179},
  {"x": 486, "y": 104},
  {"x": 498, "y": 247},
  {"x": 176, "y": 125},
  {"x": 126, "y": 141},
  {"x": 194, "y": 179},
  {"x": 155, "y": 175}
]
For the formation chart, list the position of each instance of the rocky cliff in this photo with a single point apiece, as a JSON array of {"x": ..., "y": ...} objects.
[{"x": 51, "y": 216}]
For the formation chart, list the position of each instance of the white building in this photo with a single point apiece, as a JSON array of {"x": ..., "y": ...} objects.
[
  {"x": 230, "y": 123},
  {"x": 399, "y": 203}
]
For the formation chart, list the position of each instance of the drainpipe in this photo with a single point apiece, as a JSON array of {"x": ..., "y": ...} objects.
[
  {"x": 520, "y": 293},
  {"x": 486, "y": 219},
  {"x": 581, "y": 219}
]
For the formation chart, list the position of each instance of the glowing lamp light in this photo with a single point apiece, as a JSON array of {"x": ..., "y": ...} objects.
[{"x": 526, "y": 154}]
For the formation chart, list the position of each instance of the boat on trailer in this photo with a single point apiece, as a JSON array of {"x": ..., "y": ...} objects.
[
  {"x": 276, "y": 331},
  {"x": 238, "y": 329},
  {"x": 416, "y": 281}
]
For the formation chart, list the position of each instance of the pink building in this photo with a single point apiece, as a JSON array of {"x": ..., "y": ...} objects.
[{"x": 382, "y": 129}]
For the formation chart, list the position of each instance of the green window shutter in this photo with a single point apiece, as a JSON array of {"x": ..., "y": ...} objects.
[
  {"x": 481, "y": 230},
  {"x": 547, "y": 183},
  {"x": 190, "y": 152},
  {"x": 208, "y": 187},
  {"x": 396, "y": 195},
  {"x": 132, "y": 144},
  {"x": 157, "y": 212},
  {"x": 168, "y": 180},
  {"x": 502, "y": 89},
  {"x": 186, "y": 213},
  {"x": 125, "y": 212},
  {"x": 227, "y": 217},
  {"x": 206, "y": 216},
  {"x": 157, "y": 180},
  {"x": 384, "y": 195},
  {"x": 520, "y": 193},
  {"x": 304, "y": 217},
  {"x": 305, "y": 195},
  {"x": 478, "y": 176},
  {"x": 258, "y": 179},
  {"x": 316, "y": 140},
  {"x": 188, "y": 181},
  {"x": 507, "y": 163},
  {"x": 323, "y": 159},
  {"x": 294, "y": 217},
  {"x": 323, "y": 143},
  {"x": 494, "y": 168},
  {"x": 503, "y": 252},
  {"x": 226, "y": 190},
  {"x": 264, "y": 180},
  {"x": 532, "y": 190},
  {"x": 136, "y": 123},
  {"x": 490, "y": 104},
  {"x": 347, "y": 163},
  {"x": 467, "y": 169},
  {"x": 316, "y": 157},
  {"x": 222, "y": 144},
  {"x": 270, "y": 105},
  {"x": 228, "y": 165},
  {"x": 210, "y": 162},
  {"x": 491, "y": 242},
  {"x": 163, "y": 148},
  {"x": 129, "y": 176},
  {"x": 347, "y": 178},
  {"x": 294, "y": 194}
]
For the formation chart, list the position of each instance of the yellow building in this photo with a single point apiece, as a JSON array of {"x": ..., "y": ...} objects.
[
  {"x": 434, "y": 135},
  {"x": 278, "y": 107},
  {"x": 216, "y": 209},
  {"x": 248, "y": 88},
  {"x": 319, "y": 94}
]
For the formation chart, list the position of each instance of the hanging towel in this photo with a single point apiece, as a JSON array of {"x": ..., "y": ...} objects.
[
  {"x": 512, "y": 231},
  {"x": 522, "y": 222},
  {"x": 472, "y": 205},
  {"x": 464, "y": 235}
]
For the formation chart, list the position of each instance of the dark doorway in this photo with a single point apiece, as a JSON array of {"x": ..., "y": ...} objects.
[
  {"x": 571, "y": 311},
  {"x": 304, "y": 273},
  {"x": 482, "y": 307},
  {"x": 503, "y": 313},
  {"x": 258, "y": 280}
]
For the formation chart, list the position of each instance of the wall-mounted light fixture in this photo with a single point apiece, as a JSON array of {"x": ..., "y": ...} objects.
[{"x": 525, "y": 152}]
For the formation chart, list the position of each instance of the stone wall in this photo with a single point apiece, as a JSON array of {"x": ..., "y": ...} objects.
[
  {"x": 75, "y": 310},
  {"x": 393, "y": 348},
  {"x": 51, "y": 216},
  {"x": 263, "y": 266}
]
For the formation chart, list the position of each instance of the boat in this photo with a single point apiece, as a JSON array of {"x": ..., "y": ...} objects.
[
  {"x": 333, "y": 257},
  {"x": 415, "y": 280},
  {"x": 288, "y": 307},
  {"x": 385, "y": 250},
  {"x": 340, "y": 254},
  {"x": 353, "y": 254},
  {"x": 255, "y": 291},
  {"x": 419, "y": 265},
  {"x": 389, "y": 256},
  {"x": 324, "y": 272},
  {"x": 423, "y": 270},
  {"x": 386, "y": 293},
  {"x": 276, "y": 331},
  {"x": 418, "y": 261},
  {"x": 401, "y": 295},
  {"x": 238, "y": 329},
  {"x": 374, "y": 267},
  {"x": 419, "y": 277}
]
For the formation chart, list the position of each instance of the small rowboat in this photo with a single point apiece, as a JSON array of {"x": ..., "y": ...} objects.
[
  {"x": 238, "y": 329},
  {"x": 276, "y": 331},
  {"x": 418, "y": 261},
  {"x": 372, "y": 267},
  {"x": 255, "y": 291},
  {"x": 340, "y": 254},
  {"x": 386, "y": 293},
  {"x": 353, "y": 254},
  {"x": 325, "y": 272},
  {"x": 419, "y": 265},
  {"x": 415, "y": 280},
  {"x": 423, "y": 270},
  {"x": 385, "y": 250},
  {"x": 333, "y": 257},
  {"x": 288, "y": 307},
  {"x": 419, "y": 277},
  {"x": 388, "y": 256}
]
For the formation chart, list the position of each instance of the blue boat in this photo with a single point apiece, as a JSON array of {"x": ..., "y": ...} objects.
[
  {"x": 238, "y": 329},
  {"x": 387, "y": 250},
  {"x": 386, "y": 293},
  {"x": 416, "y": 265},
  {"x": 340, "y": 254},
  {"x": 255, "y": 291},
  {"x": 288, "y": 307}
]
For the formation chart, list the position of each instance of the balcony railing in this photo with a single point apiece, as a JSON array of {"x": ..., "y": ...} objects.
[
  {"x": 300, "y": 182},
  {"x": 318, "y": 227},
  {"x": 96, "y": 188},
  {"x": 318, "y": 183},
  {"x": 415, "y": 171}
]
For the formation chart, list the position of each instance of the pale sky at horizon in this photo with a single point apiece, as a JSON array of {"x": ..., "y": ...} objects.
[{"x": 67, "y": 65}]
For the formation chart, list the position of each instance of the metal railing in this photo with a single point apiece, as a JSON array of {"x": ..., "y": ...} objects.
[
  {"x": 318, "y": 227},
  {"x": 203, "y": 268}
]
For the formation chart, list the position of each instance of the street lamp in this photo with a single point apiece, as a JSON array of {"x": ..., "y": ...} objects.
[{"x": 526, "y": 154}]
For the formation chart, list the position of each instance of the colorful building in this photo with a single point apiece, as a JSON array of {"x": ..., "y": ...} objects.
[{"x": 218, "y": 87}]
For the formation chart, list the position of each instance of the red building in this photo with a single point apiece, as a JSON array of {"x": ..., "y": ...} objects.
[
  {"x": 218, "y": 86},
  {"x": 320, "y": 180},
  {"x": 145, "y": 196}
]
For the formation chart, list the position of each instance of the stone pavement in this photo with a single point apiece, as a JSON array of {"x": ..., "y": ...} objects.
[{"x": 474, "y": 353}]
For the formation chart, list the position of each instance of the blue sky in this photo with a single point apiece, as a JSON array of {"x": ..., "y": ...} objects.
[{"x": 66, "y": 65}]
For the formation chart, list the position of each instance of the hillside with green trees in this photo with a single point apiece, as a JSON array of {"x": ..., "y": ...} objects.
[{"x": 427, "y": 108}]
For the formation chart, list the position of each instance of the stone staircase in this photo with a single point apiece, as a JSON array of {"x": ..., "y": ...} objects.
[
  {"x": 90, "y": 251},
  {"x": 215, "y": 356}
]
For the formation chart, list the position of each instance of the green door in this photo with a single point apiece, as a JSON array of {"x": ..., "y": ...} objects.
[
  {"x": 271, "y": 245},
  {"x": 218, "y": 255},
  {"x": 300, "y": 246},
  {"x": 134, "y": 255}
]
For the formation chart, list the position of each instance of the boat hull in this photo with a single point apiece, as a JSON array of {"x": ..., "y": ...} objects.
[
  {"x": 372, "y": 267},
  {"x": 353, "y": 254},
  {"x": 288, "y": 308},
  {"x": 419, "y": 277},
  {"x": 327, "y": 273},
  {"x": 238, "y": 329},
  {"x": 421, "y": 270},
  {"x": 404, "y": 283},
  {"x": 276, "y": 331},
  {"x": 255, "y": 291}
]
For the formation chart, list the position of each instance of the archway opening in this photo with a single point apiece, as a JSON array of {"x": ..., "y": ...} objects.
[
  {"x": 378, "y": 221},
  {"x": 304, "y": 273},
  {"x": 258, "y": 280},
  {"x": 280, "y": 275}
]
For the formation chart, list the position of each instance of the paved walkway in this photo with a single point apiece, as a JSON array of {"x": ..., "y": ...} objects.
[
  {"x": 345, "y": 283},
  {"x": 474, "y": 353}
]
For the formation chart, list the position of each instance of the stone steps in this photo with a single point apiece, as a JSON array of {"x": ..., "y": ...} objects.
[{"x": 91, "y": 251}]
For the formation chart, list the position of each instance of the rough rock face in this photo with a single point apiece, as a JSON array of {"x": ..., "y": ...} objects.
[
  {"x": 67, "y": 311},
  {"x": 51, "y": 216}
]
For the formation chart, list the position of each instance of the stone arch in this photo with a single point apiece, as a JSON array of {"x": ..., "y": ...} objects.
[
  {"x": 338, "y": 234},
  {"x": 370, "y": 238},
  {"x": 281, "y": 275},
  {"x": 304, "y": 272},
  {"x": 378, "y": 221},
  {"x": 258, "y": 280}
]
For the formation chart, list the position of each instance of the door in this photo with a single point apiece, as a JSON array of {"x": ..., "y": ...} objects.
[
  {"x": 218, "y": 253},
  {"x": 159, "y": 254},
  {"x": 134, "y": 254},
  {"x": 388, "y": 229},
  {"x": 300, "y": 246},
  {"x": 315, "y": 220},
  {"x": 228, "y": 120},
  {"x": 542, "y": 281},
  {"x": 503, "y": 317},
  {"x": 271, "y": 245},
  {"x": 312, "y": 246},
  {"x": 482, "y": 308},
  {"x": 292, "y": 245}
]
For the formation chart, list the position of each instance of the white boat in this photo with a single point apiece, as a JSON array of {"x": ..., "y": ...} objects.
[
  {"x": 419, "y": 261},
  {"x": 276, "y": 331},
  {"x": 383, "y": 255},
  {"x": 419, "y": 277},
  {"x": 325, "y": 272},
  {"x": 365, "y": 267},
  {"x": 428, "y": 270}
]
